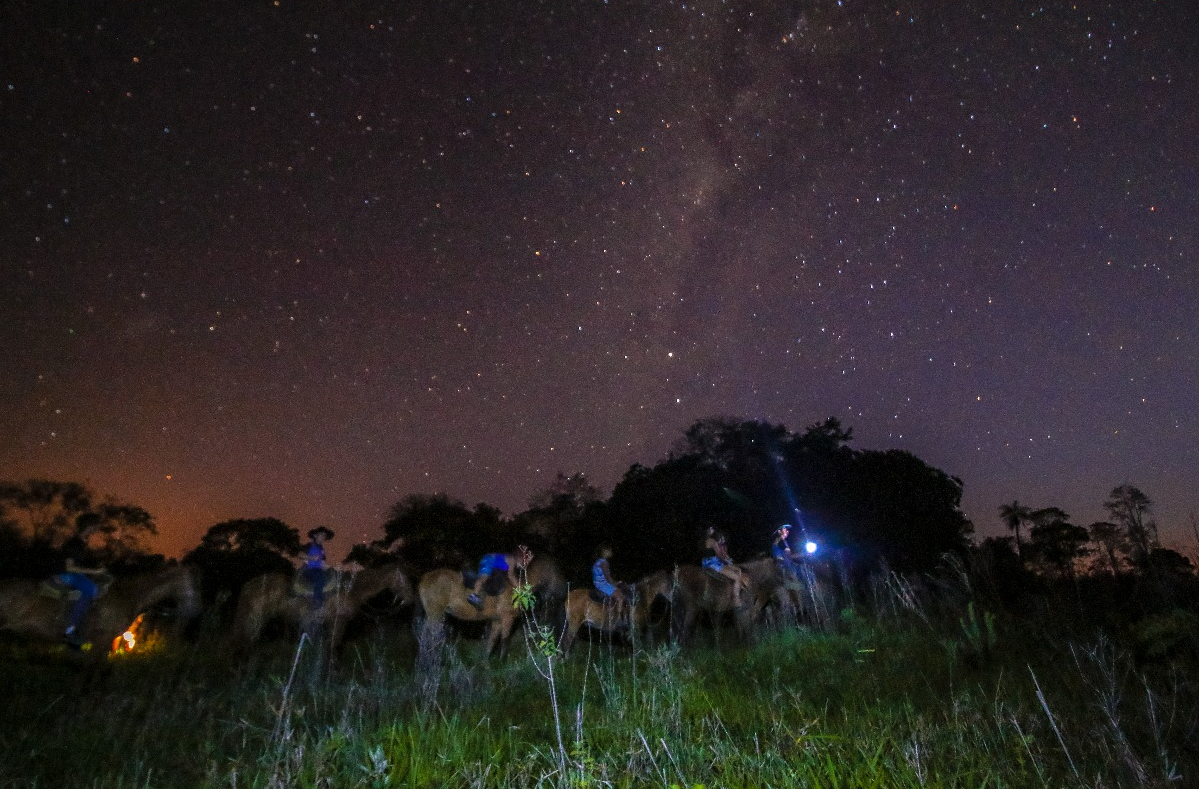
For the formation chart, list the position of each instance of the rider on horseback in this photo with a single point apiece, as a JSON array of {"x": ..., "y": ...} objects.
[
  {"x": 493, "y": 562},
  {"x": 782, "y": 552},
  {"x": 81, "y": 569},
  {"x": 314, "y": 569},
  {"x": 615, "y": 592},
  {"x": 716, "y": 558}
]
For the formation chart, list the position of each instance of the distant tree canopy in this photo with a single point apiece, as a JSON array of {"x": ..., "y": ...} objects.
[
  {"x": 1057, "y": 548},
  {"x": 234, "y": 551},
  {"x": 38, "y": 516}
]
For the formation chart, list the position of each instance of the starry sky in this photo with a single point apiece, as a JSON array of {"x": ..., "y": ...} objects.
[{"x": 303, "y": 259}]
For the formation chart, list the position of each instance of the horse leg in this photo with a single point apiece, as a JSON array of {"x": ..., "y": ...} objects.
[
  {"x": 684, "y": 625},
  {"x": 250, "y": 618},
  {"x": 496, "y": 637},
  {"x": 568, "y": 636}
]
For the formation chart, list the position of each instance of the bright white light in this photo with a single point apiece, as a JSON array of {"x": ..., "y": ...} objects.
[{"x": 809, "y": 546}]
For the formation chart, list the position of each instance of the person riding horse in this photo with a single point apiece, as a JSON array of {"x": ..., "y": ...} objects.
[
  {"x": 782, "y": 552},
  {"x": 616, "y": 593},
  {"x": 81, "y": 570},
  {"x": 315, "y": 567},
  {"x": 716, "y": 558},
  {"x": 499, "y": 562}
]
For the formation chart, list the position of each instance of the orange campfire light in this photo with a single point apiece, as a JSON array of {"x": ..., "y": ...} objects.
[{"x": 125, "y": 642}]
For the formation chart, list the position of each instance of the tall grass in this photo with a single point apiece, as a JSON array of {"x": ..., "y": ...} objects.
[{"x": 890, "y": 695}]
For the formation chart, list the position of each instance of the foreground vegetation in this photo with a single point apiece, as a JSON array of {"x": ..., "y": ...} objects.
[{"x": 912, "y": 689}]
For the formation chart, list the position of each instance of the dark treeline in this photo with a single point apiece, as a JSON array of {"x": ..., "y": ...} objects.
[
  {"x": 867, "y": 510},
  {"x": 744, "y": 478}
]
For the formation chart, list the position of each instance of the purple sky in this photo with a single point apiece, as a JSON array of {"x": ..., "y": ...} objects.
[{"x": 305, "y": 259}]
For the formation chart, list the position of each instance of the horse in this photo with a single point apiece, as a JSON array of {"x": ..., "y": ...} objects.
[
  {"x": 273, "y": 596},
  {"x": 26, "y": 609},
  {"x": 581, "y": 609},
  {"x": 699, "y": 590},
  {"x": 775, "y": 586},
  {"x": 443, "y": 593}
]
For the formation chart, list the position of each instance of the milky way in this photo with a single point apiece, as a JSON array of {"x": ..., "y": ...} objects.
[{"x": 305, "y": 259}]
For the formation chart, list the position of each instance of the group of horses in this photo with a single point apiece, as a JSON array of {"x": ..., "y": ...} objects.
[{"x": 688, "y": 592}]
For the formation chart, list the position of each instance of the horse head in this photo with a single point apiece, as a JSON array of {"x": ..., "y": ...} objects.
[
  {"x": 177, "y": 583},
  {"x": 653, "y": 586}
]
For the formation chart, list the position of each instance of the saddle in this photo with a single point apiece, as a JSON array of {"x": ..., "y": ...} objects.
[
  {"x": 52, "y": 588},
  {"x": 302, "y": 587},
  {"x": 596, "y": 596},
  {"x": 495, "y": 583},
  {"x": 718, "y": 576}
]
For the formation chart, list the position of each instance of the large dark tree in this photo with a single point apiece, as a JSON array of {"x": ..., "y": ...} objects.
[
  {"x": 234, "y": 551},
  {"x": 747, "y": 478},
  {"x": 1055, "y": 544},
  {"x": 565, "y": 521},
  {"x": 438, "y": 531},
  {"x": 1014, "y": 516},
  {"x": 1111, "y": 546},
  {"x": 896, "y": 508},
  {"x": 1132, "y": 510}
]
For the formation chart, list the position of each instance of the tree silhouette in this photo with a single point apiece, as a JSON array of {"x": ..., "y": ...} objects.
[
  {"x": 1013, "y": 516},
  {"x": 439, "y": 531},
  {"x": 565, "y": 521},
  {"x": 1110, "y": 545},
  {"x": 1132, "y": 510},
  {"x": 1056, "y": 544},
  {"x": 234, "y": 551},
  {"x": 40, "y": 515},
  {"x": 747, "y": 478}
]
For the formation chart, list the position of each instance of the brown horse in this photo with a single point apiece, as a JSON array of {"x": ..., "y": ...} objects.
[
  {"x": 442, "y": 593},
  {"x": 582, "y": 610},
  {"x": 697, "y": 590},
  {"x": 272, "y": 596},
  {"x": 27, "y": 610},
  {"x": 775, "y": 588}
]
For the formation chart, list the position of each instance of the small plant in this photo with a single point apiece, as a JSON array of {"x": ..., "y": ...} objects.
[
  {"x": 585, "y": 769},
  {"x": 523, "y": 597},
  {"x": 978, "y": 633},
  {"x": 377, "y": 768},
  {"x": 542, "y": 644}
]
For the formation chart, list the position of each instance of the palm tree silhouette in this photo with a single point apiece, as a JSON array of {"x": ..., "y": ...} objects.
[{"x": 1013, "y": 515}]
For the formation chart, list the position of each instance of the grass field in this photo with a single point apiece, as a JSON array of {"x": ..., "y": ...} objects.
[{"x": 944, "y": 691}]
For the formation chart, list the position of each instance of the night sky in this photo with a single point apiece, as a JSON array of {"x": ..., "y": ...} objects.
[{"x": 303, "y": 259}]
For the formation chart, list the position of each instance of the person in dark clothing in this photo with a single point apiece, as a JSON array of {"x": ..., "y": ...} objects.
[
  {"x": 314, "y": 569},
  {"x": 782, "y": 552}
]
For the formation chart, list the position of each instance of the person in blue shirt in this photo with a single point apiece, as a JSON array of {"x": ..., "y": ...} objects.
[
  {"x": 500, "y": 562},
  {"x": 80, "y": 571},
  {"x": 601, "y": 577},
  {"x": 314, "y": 569}
]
